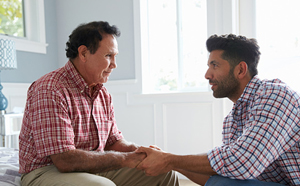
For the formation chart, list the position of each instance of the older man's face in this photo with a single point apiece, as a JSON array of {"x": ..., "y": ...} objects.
[{"x": 101, "y": 64}]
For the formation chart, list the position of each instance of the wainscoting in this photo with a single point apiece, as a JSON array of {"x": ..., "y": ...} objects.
[
  {"x": 16, "y": 96},
  {"x": 182, "y": 123}
]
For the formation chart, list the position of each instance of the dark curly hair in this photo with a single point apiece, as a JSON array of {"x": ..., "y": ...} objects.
[
  {"x": 236, "y": 49},
  {"x": 89, "y": 35}
]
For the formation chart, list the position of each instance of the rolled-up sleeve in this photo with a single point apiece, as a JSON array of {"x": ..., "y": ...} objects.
[{"x": 261, "y": 133}]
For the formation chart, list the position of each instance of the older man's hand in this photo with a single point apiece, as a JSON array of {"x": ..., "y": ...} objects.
[
  {"x": 156, "y": 162},
  {"x": 132, "y": 159}
]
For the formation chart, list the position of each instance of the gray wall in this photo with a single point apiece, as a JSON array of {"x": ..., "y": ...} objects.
[
  {"x": 61, "y": 17},
  {"x": 31, "y": 66}
]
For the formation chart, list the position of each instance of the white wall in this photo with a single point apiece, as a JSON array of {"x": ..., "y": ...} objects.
[{"x": 182, "y": 123}]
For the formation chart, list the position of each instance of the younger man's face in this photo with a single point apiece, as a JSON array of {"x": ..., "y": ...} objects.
[{"x": 221, "y": 76}]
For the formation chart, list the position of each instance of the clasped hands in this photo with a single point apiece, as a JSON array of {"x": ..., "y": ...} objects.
[{"x": 155, "y": 161}]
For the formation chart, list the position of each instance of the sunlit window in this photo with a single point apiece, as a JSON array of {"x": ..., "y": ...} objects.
[
  {"x": 177, "y": 31},
  {"x": 11, "y": 18},
  {"x": 24, "y": 22},
  {"x": 278, "y": 34}
]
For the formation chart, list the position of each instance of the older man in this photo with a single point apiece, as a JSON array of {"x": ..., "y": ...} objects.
[{"x": 69, "y": 135}]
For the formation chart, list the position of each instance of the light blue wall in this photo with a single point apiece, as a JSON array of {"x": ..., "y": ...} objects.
[
  {"x": 71, "y": 13},
  {"x": 61, "y": 17}
]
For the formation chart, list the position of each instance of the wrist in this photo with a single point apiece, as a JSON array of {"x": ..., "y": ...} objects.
[
  {"x": 129, "y": 159},
  {"x": 125, "y": 159},
  {"x": 171, "y": 161},
  {"x": 133, "y": 147}
]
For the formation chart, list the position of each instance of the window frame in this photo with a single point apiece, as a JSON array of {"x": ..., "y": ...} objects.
[
  {"x": 248, "y": 15},
  {"x": 35, "y": 39},
  {"x": 219, "y": 21}
]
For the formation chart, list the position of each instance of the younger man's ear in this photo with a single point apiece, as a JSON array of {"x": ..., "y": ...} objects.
[{"x": 242, "y": 69}]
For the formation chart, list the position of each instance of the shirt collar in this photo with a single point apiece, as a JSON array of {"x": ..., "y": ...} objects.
[
  {"x": 75, "y": 76},
  {"x": 250, "y": 90}
]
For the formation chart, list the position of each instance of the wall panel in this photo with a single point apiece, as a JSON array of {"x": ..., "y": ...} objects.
[
  {"x": 187, "y": 127},
  {"x": 182, "y": 123}
]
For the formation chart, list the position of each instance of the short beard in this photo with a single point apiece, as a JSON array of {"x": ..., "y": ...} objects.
[{"x": 227, "y": 87}]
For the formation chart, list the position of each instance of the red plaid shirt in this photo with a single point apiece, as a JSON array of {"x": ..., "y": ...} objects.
[
  {"x": 261, "y": 135},
  {"x": 61, "y": 115}
]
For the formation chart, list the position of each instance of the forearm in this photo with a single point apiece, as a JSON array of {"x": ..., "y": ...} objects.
[
  {"x": 122, "y": 146},
  {"x": 191, "y": 163},
  {"x": 195, "y": 177},
  {"x": 93, "y": 162}
]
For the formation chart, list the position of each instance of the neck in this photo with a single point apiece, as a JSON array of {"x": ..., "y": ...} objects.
[
  {"x": 81, "y": 70},
  {"x": 243, "y": 83}
]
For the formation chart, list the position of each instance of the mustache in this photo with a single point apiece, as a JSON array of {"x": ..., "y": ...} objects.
[{"x": 213, "y": 81}]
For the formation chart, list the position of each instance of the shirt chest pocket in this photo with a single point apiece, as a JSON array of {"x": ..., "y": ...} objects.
[{"x": 104, "y": 128}]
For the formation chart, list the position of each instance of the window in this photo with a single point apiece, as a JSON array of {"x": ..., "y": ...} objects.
[
  {"x": 34, "y": 39},
  {"x": 278, "y": 35},
  {"x": 173, "y": 35},
  {"x": 176, "y": 54},
  {"x": 11, "y": 18}
]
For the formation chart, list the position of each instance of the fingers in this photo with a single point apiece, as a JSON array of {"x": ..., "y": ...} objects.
[
  {"x": 155, "y": 147},
  {"x": 141, "y": 165},
  {"x": 151, "y": 165},
  {"x": 141, "y": 150},
  {"x": 147, "y": 164},
  {"x": 147, "y": 149}
]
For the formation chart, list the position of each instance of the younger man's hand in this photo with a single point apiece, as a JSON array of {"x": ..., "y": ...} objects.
[{"x": 155, "y": 163}]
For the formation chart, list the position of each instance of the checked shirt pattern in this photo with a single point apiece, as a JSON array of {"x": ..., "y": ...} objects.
[
  {"x": 261, "y": 135},
  {"x": 61, "y": 114}
]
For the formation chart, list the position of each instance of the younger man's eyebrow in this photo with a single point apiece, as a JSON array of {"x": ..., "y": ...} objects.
[{"x": 212, "y": 62}]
